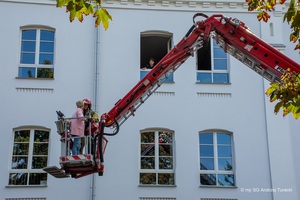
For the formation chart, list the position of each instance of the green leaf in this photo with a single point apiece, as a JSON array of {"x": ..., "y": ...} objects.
[
  {"x": 72, "y": 14},
  {"x": 61, "y": 3},
  {"x": 89, "y": 9},
  {"x": 263, "y": 16},
  {"x": 296, "y": 20},
  {"x": 277, "y": 107},
  {"x": 288, "y": 16},
  {"x": 102, "y": 16},
  {"x": 70, "y": 6}
]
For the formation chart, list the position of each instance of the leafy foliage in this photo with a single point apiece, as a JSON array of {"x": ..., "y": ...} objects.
[
  {"x": 292, "y": 16},
  {"x": 79, "y": 8},
  {"x": 287, "y": 94}
]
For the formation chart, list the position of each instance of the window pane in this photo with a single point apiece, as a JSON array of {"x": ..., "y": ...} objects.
[
  {"x": 22, "y": 136},
  {"x": 207, "y": 150},
  {"x": 165, "y": 137},
  {"x": 40, "y": 149},
  {"x": 41, "y": 136},
  {"x": 147, "y": 137},
  {"x": 47, "y": 47},
  {"x": 204, "y": 57},
  {"x": 39, "y": 162},
  {"x": 225, "y": 164},
  {"x": 147, "y": 149},
  {"x": 147, "y": 163},
  {"x": 166, "y": 179},
  {"x": 28, "y": 46},
  {"x": 223, "y": 138},
  {"x": 148, "y": 178},
  {"x": 221, "y": 78},
  {"x": 45, "y": 73},
  {"x": 46, "y": 59},
  {"x": 220, "y": 64},
  {"x": 165, "y": 150},
  {"x": 47, "y": 35},
  {"x": 20, "y": 148},
  {"x": 143, "y": 73},
  {"x": 207, "y": 164},
  {"x": 219, "y": 53},
  {"x": 226, "y": 179},
  {"x": 26, "y": 72},
  {"x": 37, "y": 178},
  {"x": 165, "y": 163},
  {"x": 19, "y": 162},
  {"x": 224, "y": 151},
  {"x": 28, "y": 34},
  {"x": 168, "y": 78},
  {"x": 208, "y": 179},
  {"x": 204, "y": 77},
  {"x": 206, "y": 138},
  {"x": 17, "y": 179},
  {"x": 27, "y": 58}
]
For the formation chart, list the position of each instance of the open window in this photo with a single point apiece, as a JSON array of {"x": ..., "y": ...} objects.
[
  {"x": 154, "y": 44},
  {"x": 212, "y": 64}
]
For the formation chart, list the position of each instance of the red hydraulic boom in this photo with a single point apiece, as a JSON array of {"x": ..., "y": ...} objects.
[{"x": 234, "y": 37}]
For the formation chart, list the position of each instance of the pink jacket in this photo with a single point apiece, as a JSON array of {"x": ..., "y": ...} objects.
[{"x": 77, "y": 125}]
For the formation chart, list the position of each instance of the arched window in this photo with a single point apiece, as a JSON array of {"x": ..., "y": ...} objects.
[
  {"x": 154, "y": 45},
  {"x": 29, "y": 156},
  {"x": 37, "y": 52},
  {"x": 156, "y": 157},
  {"x": 216, "y": 158}
]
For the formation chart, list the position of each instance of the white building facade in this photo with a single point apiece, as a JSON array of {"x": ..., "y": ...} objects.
[{"x": 221, "y": 139}]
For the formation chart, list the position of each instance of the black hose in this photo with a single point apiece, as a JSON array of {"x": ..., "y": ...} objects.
[
  {"x": 199, "y": 14},
  {"x": 100, "y": 142},
  {"x": 94, "y": 147},
  {"x": 116, "y": 131}
]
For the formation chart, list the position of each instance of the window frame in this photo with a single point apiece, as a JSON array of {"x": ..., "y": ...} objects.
[
  {"x": 215, "y": 171},
  {"x": 29, "y": 170},
  {"x": 157, "y": 157},
  {"x": 152, "y": 34},
  {"x": 36, "y": 66},
  {"x": 213, "y": 71}
]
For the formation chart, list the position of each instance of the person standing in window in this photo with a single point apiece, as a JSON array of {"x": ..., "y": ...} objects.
[
  {"x": 150, "y": 65},
  {"x": 90, "y": 124},
  {"x": 77, "y": 127}
]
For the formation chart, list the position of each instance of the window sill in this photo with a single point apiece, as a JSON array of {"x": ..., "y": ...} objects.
[
  {"x": 157, "y": 185},
  {"x": 26, "y": 186},
  {"x": 214, "y": 186},
  {"x": 213, "y": 83},
  {"x": 34, "y": 78}
]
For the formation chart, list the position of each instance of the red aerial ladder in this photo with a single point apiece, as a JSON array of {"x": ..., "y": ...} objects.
[{"x": 233, "y": 36}]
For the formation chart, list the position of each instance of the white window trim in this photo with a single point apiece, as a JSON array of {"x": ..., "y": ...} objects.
[
  {"x": 213, "y": 70},
  {"x": 157, "y": 170},
  {"x": 28, "y": 170},
  {"x": 216, "y": 171},
  {"x": 36, "y": 64}
]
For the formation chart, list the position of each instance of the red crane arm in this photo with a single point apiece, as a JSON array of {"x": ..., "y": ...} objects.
[{"x": 235, "y": 38}]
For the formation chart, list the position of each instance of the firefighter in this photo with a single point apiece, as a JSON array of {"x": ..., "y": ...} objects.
[{"x": 92, "y": 119}]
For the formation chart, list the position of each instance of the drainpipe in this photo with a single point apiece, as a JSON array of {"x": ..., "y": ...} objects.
[
  {"x": 95, "y": 98},
  {"x": 267, "y": 136}
]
